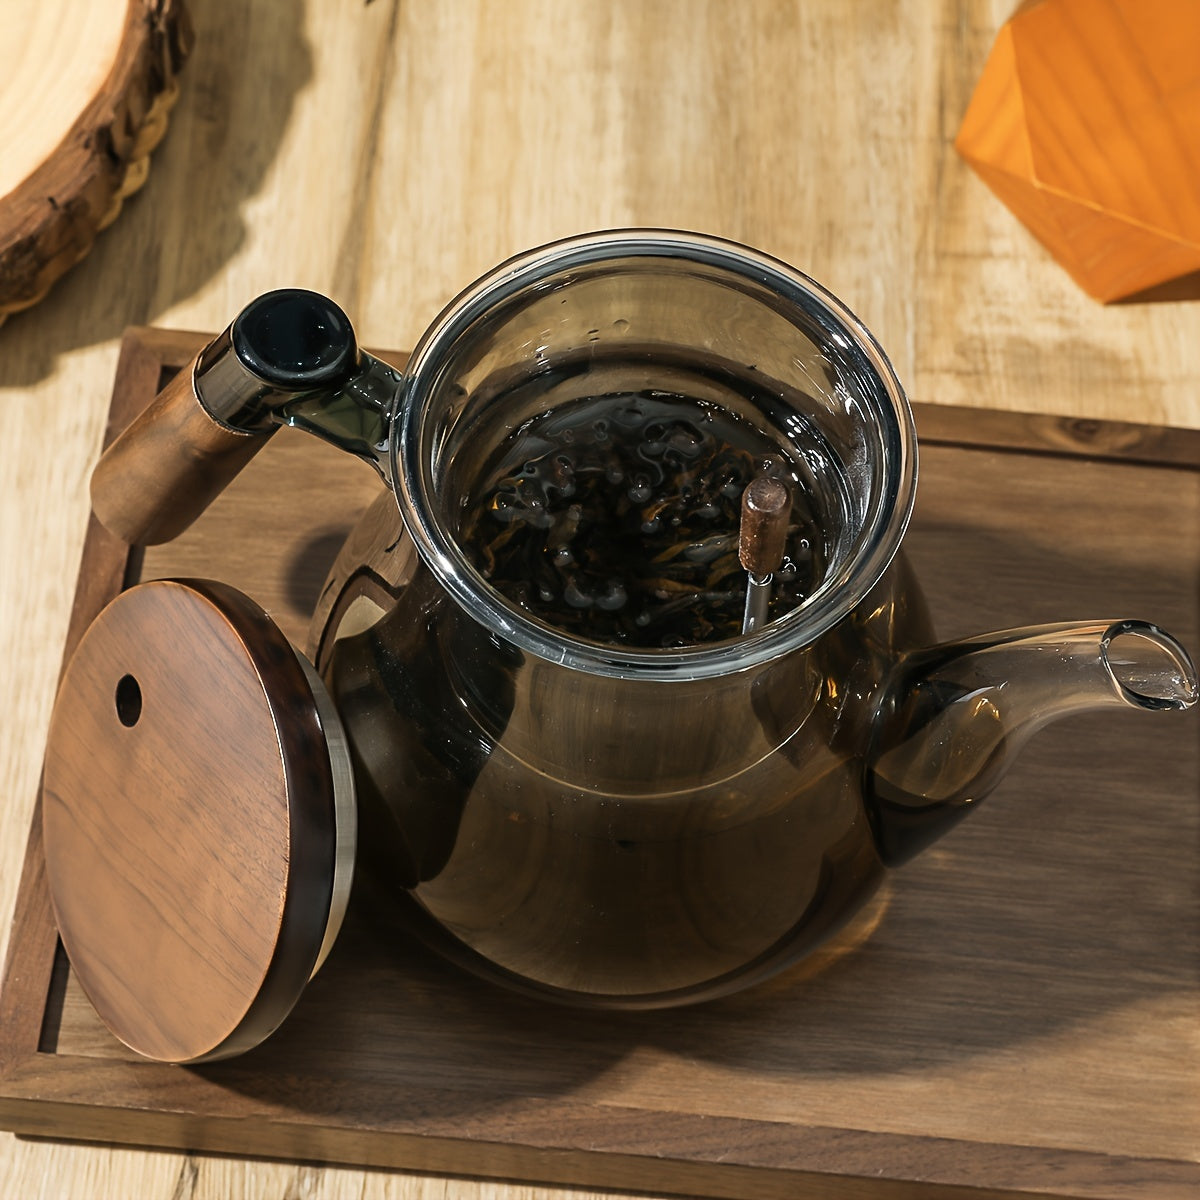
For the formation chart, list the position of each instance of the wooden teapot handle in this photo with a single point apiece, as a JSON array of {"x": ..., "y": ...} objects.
[
  {"x": 168, "y": 466},
  {"x": 218, "y": 412}
]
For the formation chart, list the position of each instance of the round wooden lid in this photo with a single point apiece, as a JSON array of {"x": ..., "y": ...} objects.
[{"x": 194, "y": 847}]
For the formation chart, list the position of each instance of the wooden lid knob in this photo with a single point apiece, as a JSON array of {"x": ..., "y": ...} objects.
[
  {"x": 197, "y": 825},
  {"x": 762, "y": 536}
]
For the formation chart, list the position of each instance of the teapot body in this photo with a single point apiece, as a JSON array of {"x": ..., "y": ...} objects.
[
  {"x": 577, "y": 770},
  {"x": 605, "y": 840}
]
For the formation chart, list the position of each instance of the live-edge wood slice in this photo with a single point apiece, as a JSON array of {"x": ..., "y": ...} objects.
[
  {"x": 1014, "y": 1023},
  {"x": 85, "y": 91},
  {"x": 190, "y": 820}
]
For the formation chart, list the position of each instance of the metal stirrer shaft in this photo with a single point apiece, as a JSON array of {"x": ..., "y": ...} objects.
[
  {"x": 762, "y": 534},
  {"x": 758, "y": 602}
]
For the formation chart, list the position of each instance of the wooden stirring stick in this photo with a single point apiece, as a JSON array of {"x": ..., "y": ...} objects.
[{"x": 766, "y": 506}]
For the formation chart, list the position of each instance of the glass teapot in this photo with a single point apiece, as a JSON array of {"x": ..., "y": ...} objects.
[{"x": 585, "y": 774}]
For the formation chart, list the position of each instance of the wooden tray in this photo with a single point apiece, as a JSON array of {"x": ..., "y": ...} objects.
[{"x": 1018, "y": 1016}]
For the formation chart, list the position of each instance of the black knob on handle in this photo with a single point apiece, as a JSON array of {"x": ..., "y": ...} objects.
[
  {"x": 295, "y": 340},
  {"x": 219, "y": 411},
  {"x": 283, "y": 344}
]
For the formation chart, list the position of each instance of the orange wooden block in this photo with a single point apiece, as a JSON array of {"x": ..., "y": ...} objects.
[{"x": 1086, "y": 123}]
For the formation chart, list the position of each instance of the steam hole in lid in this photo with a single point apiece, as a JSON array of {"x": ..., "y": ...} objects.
[{"x": 129, "y": 701}]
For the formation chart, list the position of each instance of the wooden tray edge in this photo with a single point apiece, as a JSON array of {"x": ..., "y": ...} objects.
[{"x": 565, "y": 1142}]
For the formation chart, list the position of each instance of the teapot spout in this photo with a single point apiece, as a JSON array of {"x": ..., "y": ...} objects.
[{"x": 955, "y": 715}]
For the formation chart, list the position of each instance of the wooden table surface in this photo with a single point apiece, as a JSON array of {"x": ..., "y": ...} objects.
[{"x": 389, "y": 152}]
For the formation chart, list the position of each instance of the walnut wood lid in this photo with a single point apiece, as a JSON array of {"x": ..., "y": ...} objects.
[{"x": 197, "y": 826}]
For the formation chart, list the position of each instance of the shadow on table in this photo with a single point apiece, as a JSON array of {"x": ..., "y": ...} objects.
[
  {"x": 237, "y": 91},
  {"x": 1063, "y": 901},
  {"x": 1186, "y": 287},
  {"x": 1018, "y": 928}
]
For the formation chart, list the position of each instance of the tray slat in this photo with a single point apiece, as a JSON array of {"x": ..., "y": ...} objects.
[{"x": 1016, "y": 1019}]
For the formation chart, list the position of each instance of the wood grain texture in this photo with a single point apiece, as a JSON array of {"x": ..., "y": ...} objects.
[
  {"x": 387, "y": 153},
  {"x": 1042, "y": 951},
  {"x": 165, "y": 469},
  {"x": 193, "y": 913},
  {"x": 80, "y": 131},
  {"x": 1081, "y": 123},
  {"x": 762, "y": 533}
]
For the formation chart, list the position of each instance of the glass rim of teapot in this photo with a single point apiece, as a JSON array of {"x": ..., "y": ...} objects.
[{"x": 412, "y": 466}]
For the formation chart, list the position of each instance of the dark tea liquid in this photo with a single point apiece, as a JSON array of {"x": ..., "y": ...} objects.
[
  {"x": 615, "y": 518},
  {"x": 613, "y": 836}
]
